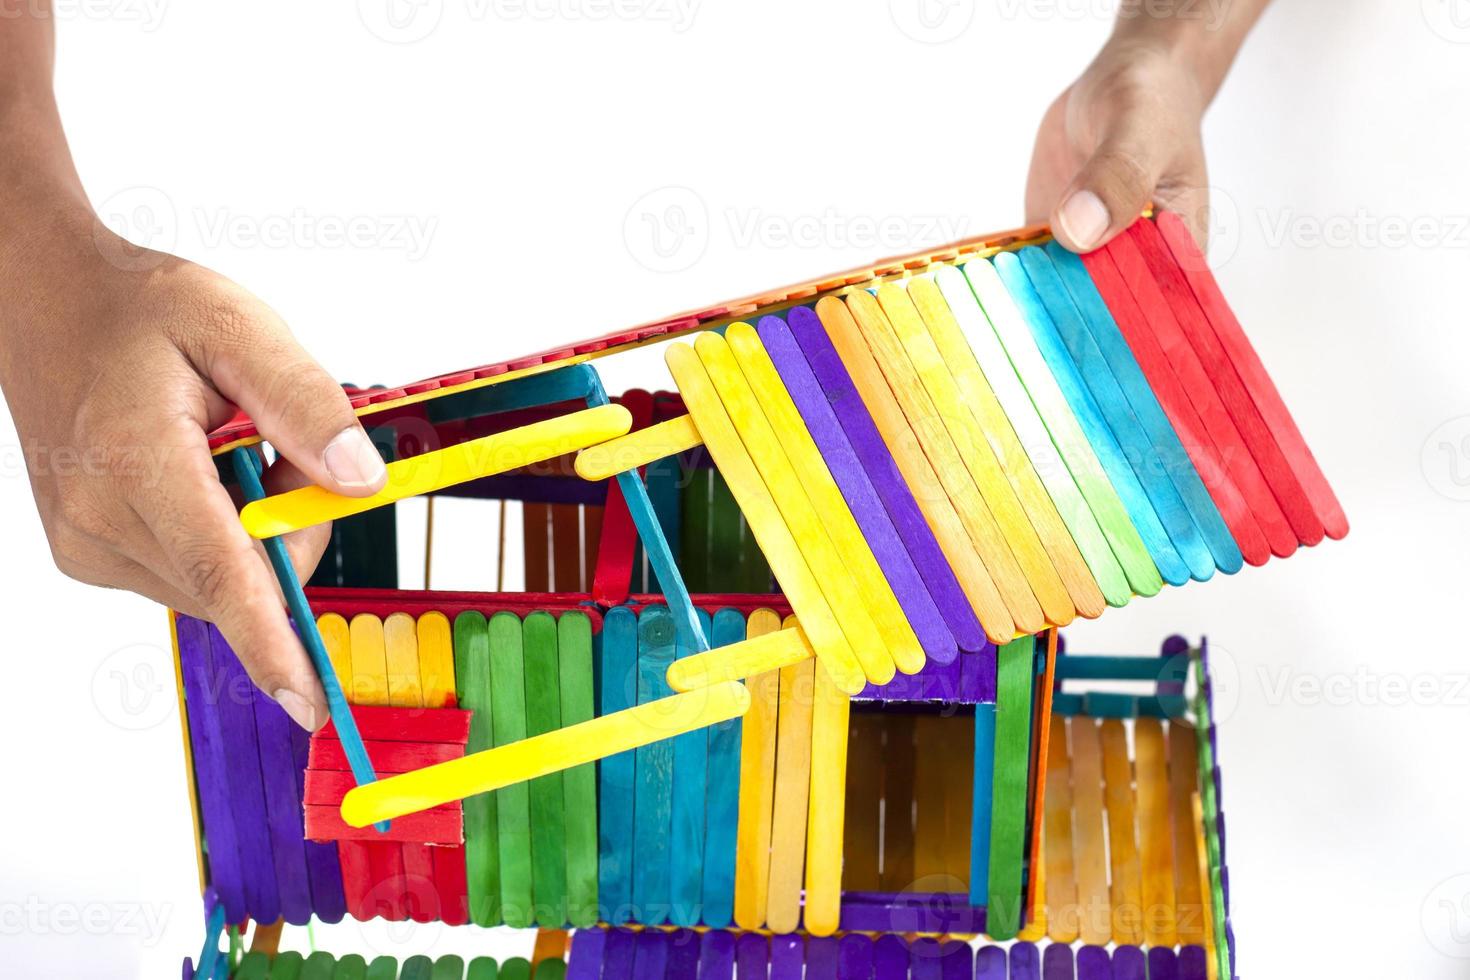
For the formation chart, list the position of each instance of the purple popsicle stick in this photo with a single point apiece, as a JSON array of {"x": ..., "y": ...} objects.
[
  {"x": 1129, "y": 964},
  {"x": 885, "y": 478},
  {"x": 323, "y": 866},
  {"x": 788, "y": 955},
  {"x": 237, "y": 724},
  {"x": 890, "y": 959},
  {"x": 585, "y": 960},
  {"x": 201, "y": 697},
  {"x": 617, "y": 954},
  {"x": 931, "y": 912},
  {"x": 717, "y": 955},
  {"x": 750, "y": 957},
  {"x": 1025, "y": 962},
  {"x": 956, "y": 961},
  {"x": 1192, "y": 963},
  {"x": 1162, "y": 964},
  {"x": 1093, "y": 964},
  {"x": 855, "y": 958},
  {"x": 893, "y": 558},
  {"x": 924, "y": 959},
  {"x": 683, "y": 956},
  {"x": 283, "y": 809},
  {"x": 1056, "y": 963},
  {"x": 821, "y": 958},
  {"x": 977, "y": 676},
  {"x": 650, "y": 953},
  {"x": 990, "y": 963}
]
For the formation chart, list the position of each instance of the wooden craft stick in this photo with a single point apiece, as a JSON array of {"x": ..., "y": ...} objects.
[
  {"x": 639, "y": 448},
  {"x": 1254, "y": 429},
  {"x": 1189, "y": 900},
  {"x": 953, "y": 419},
  {"x": 862, "y": 825},
  {"x": 954, "y": 478},
  {"x": 282, "y": 808},
  {"x": 899, "y": 441},
  {"x": 1061, "y": 868},
  {"x": 1161, "y": 329},
  {"x": 930, "y": 765},
  {"x": 309, "y": 506},
  {"x": 823, "y": 897},
  {"x": 1126, "y": 886},
  {"x": 984, "y": 365},
  {"x": 414, "y": 895},
  {"x": 1156, "y": 846},
  {"x": 899, "y": 757},
  {"x": 1051, "y": 403},
  {"x": 687, "y": 818},
  {"x": 882, "y": 471},
  {"x": 1168, "y": 452},
  {"x": 793, "y": 785},
  {"x": 379, "y": 894},
  {"x": 1015, "y": 670},
  {"x": 545, "y": 793},
  {"x": 957, "y": 750},
  {"x": 827, "y": 500},
  {"x": 653, "y": 775},
  {"x": 757, "y": 784},
  {"x": 1132, "y": 318},
  {"x": 897, "y": 565},
  {"x": 618, "y": 691},
  {"x": 482, "y": 850},
  {"x": 1095, "y": 916},
  {"x": 766, "y": 521},
  {"x": 512, "y": 806},
  {"x": 757, "y": 655},
  {"x": 989, "y": 418},
  {"x": 982, "y": 787},
  {"x": 574, "y": 664},
  {"x": 1253, "y": 373},
  {"x": 1214, "y": 962},
  {"x": 512, "y": 764},
  {"x": 834, "y": 576},
  {"x": 722, "y": 794},
  {"x": 1031, "y": 295}
]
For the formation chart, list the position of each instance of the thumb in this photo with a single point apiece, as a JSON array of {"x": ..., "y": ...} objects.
[
  {"x": 1110, "y": 191},
  {"x": 298, "y": 408}
]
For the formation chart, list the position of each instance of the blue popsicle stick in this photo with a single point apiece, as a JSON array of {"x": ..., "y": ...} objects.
[
  {"x": 722, "y": 795},
  {"x": 687, "y": 848},
  {"x": 980, "y": 805},
  {"x": 1169, "y": 451},
  {"x": 1029, "y": 300},
  {"x": 615, "y": 774},
  {"x": 653, "y": 776},
  {"x": 247, "y": 471}
]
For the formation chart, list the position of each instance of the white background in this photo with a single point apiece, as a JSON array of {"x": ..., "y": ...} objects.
[{"x": 521, "y": 142}]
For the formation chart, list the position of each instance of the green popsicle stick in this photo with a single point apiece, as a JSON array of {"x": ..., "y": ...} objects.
[
  {"x": 448, "y": 968},
  {"x": 548, "y": 808},
  {"x": 482, "y": 968},
  {"x": 318, "y": 966},
  {"x": 286, "y": 966},
  {"x": 417, "y": 968},
  {"x": 512, "y": 805},
  {"x": 574, "y": 659},
  {"x": 350, "y": 967},
  {"x": 383, "y": 968},
  {"x": 1014, "y": 671},
  {"x": 472, "y": 684}
]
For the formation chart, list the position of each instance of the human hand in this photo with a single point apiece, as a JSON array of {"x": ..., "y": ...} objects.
[
  {"x": 115, "y": 372},
  {"x": 1127, "y": 132}
]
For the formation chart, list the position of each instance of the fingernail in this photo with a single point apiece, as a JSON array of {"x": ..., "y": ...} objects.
[
  {"x": 352, "y": 460},
  {"x": 297, "y": 707},
  {"x": 1084, "y": 217}
]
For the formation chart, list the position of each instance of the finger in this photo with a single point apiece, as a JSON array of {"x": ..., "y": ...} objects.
[
  {"x": 1052, "y": 163},
  {"x": 103, "y": 567},
  {"x": 294, "y": 403},
  {"x": 191, "y": 515},
  {"x": 1189, "y": 197},
  {"x": 1113, "y": 186},
  {"x": 306, "y": 546}
]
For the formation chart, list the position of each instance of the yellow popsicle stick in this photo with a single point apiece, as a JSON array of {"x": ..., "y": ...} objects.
[
  {"x": 308, "y": 506},
  {"x": 1192, "y": 905},
  {"x": 541, "y": 755},
  {"x": 737, "y": 661},
  {"x": 336, "y": 637},
  {"x": 789, "y": 812},
  {"x": 1155, "y": 843},
  {"x": 952, "y": 424},
  {"x": 436, "y": 660},
  {"x": 1094, "y": 909},
  {"x": 763, "y": 517},
  {"x": 991, "y": 420},
  {"x": 833, "y": 575},
  {"x": 639, "y": 448},
  {"x": 369, "y": 661},
  {"x": 979, "y": 522},
  {"x": 897, "y": 435},
  {"x": 400, "y": 638},
  {"x": 1127, "y": 875},
  {"x": 1061, "y": 876},
  {"x": 806, "y": 459},
  {"x": 757, "y": 783},
  {"x": 1202, "y": 869},
  {"x": 825, "y": 812}
]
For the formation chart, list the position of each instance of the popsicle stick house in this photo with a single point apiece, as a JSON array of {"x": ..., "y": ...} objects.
[{"x": 784, "y": 694}]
